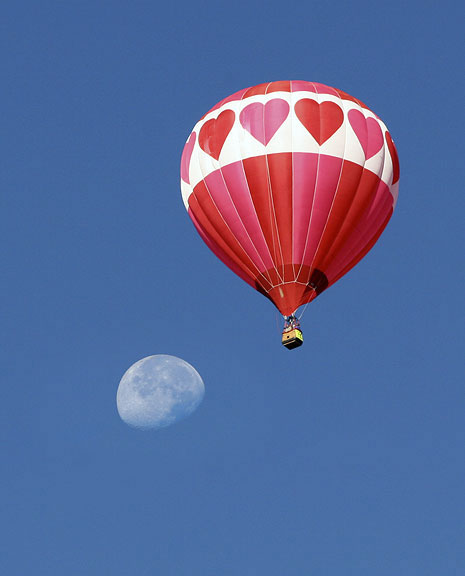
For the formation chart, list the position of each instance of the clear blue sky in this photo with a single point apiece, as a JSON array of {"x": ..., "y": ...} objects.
[{"x": 343, "y": 457}]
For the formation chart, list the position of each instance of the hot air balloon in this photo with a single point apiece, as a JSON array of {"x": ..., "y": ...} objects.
[{"x": 290, "y": 184}]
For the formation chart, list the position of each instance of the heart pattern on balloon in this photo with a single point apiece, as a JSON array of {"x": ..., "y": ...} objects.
[
  {"x": 264, "y": 120},
  {"x": 321, "y": 120},
  {"x": 186, "y": 157},
  {"x": 368, "y": 132},
  {"x": 214, "y": 132}
]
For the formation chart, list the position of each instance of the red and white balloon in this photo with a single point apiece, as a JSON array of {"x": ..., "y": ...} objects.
[{"x": 290, "y": 184}]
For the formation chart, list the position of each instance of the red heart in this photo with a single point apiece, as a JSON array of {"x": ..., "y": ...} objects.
[
  {"x": 186, "y": 157},
  {"x": 214, "y": 133},
  {"x": 368, "y": 132},
  {"x": 321, "y": 120}
]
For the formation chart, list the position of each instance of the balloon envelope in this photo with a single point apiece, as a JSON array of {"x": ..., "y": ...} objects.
[{"x": 290, "y": 184}]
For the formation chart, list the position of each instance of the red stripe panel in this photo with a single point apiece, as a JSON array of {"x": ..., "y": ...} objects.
[
  {"x": 355, "y": 222},
  {"x": 367, "y": 247},
  {"x": 256, "y": 172},
  {"x": 220, "y": 253},
  {"x": 214, "y": 226},
  {"x": 305, "y": 173},
  {"x": 221, "y": 197},
  {"x": 329, "y": 169},
  {"x": 236, "y": 182},
  {"x": 356, "y": 191},
  {"x": 280, "y": 171},
  {"x": 374, "y": 220},
  {"x": 279, "y": 86}
]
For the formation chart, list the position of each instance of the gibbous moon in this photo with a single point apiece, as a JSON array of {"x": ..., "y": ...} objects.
[{"x": 158, "y": 391}]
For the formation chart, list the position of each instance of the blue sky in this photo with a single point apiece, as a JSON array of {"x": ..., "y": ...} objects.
[{"x": 343, "y": 457}]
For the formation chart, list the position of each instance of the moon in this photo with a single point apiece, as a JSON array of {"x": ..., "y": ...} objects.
[{"x": 158, "y": 391}]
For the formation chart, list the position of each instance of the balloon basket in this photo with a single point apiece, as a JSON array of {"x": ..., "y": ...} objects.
[{"x": 292, "y": 339}]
